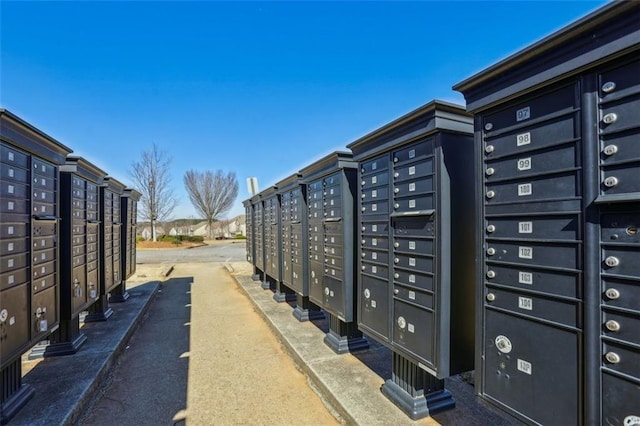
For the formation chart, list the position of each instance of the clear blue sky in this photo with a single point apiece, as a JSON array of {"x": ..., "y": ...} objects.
[{"x": 259, "y": 88}]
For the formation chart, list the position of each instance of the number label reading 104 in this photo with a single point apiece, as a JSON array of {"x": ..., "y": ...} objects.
[
  {"x": 523, "y": 139},
  {"x": 525, "y": 303}
]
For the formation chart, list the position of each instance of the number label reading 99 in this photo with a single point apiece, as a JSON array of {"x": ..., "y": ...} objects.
[{"x": 524, "y": 163}]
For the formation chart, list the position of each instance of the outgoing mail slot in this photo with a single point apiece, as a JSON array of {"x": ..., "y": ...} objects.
[
  {"x": 620, "y": 147},
  {"x": 416, "y": 279},
  {"x": 621, "y": 293},
  {"x": 561, "y": 255},
  {"x": 620, "y": 228},
  {"x": 519, "y": 368},
  {"x": 622, "y": 326},
  {"x": 550, "y": 309},
  {"x": 621, "y": 358},
  {"x": 15, "y": 329},
  {"x": 565, "y": 284},
  {"x": 413, "y": 186},
  {"x": 413, "y": 262},
  {"x": 413, "y": 171},
  {"x": 620, "y": 116},
  {"x": 620, "y": 399},
  {"x": 554, "y": 159},
  {"x": 415, "y": 152},
  {"x": 375, "y": 256},
  {"x": 413, "y": 245},
  {"x": 10, "y": 155},
  {"x": 413, "y": 227},
  {"x": 533, "y": 189},
  {"x": 43, "y": 283},
  {"x": 621, "y": 179},
  {"x": 413, "y": 330},
  {"x": 621, "y": 261},
  {"x": 380, "y": 243},
  {"x": 548, "y": 227},
  {"x": 563, "y": 99},
  {"x": 374, "y": 304},
  {"x": 13, "y": 278},
  {"x": 413, "y": 295}
]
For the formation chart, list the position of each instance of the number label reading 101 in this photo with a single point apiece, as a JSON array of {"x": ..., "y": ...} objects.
[
  {"x": 524, "y": 163},
  {"x": 523, "y": 114},
  {"x": 523, "y": 139},
  {"x": 525, "y": 227}
]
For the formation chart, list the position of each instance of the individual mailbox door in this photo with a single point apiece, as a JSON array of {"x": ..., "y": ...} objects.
[{"x": 14, "y": 321}]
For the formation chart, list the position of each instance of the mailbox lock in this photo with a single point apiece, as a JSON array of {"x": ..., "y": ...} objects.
[
  {"x": 611, "y": 181},
  {"x": 491, "y": 228},
  {"x": 362, "y": 183},
  {"x": 362, "y": 170},
  {"x": 396, "y": 205},
  {"x": 396, "y": 190},
  {"x": 396, "y": 244},
  {"x": 4, "y": 314},
  {"x": 364, "y": 254},
  {"x": 490, "y": 171},
  {"x": 396, "y": 260},
  {"x": 395, "y": 159},
  {"x": 610, "y": 118},
  {"x": 612, "y": 325},
  {"x": 363, "y": 209},
  {"x": 396, "y": 275},
  {"x": 503, "y": 344},
  {"x": 491, "y": 297},
  {"x": 396, "y": 291},
  {"x": 396, "y": 174},
  {"x": 610, "y": 149},
  {"x": 363, "y": 195},
  {"x": 367, "y": 293},
  {"x": 491, "y": 194},
  {"x": 364, "y": 228},
  {"x": 491, "y": 274},
  {"x": 612, "y": 357},
  {"x": 364, "y": 268},
  {"x": 612, "y": 261},
  {"x": 491, "y": 251},
  {"x": 363, "y": 241},
  {"x": 402, "y": 323},
  {"x": 632, "y": 230},
  {"x": 489, "y": 149},
  {"x": 608, "y": 87},
  {"x": 488, "y": 126}
]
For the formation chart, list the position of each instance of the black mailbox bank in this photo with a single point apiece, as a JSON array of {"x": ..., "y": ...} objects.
[
  {"x": 273, "y": 245},
  {"x": 557, "y": 135},
  {"x": 293, "y": 220},
  {"x": 416, "y": 232},
  {"x": 79, "y": 261},
  {"x": 109, "y": 248},
  {"x": 258, "y": 241},
  {"x": 29, "y": 249},
  {"x": 128, "y": 219},
  {"x": 331, "y": 185}
]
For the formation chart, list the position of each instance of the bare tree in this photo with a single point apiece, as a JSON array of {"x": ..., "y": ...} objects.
[
  {"x": 212, "y": 194},
  {"x": 152, "y": 179}
]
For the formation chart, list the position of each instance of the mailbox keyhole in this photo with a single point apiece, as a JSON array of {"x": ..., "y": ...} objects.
[{"x": 632, "y": 230}]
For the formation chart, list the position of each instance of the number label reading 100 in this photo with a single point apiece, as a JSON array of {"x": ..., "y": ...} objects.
[
  {"x": 524, "y": 189},
  {"x": 523, "y": 139}
]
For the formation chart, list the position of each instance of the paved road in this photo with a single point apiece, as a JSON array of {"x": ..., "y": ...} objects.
[
  {"x": 216, "y": 251},
  {"x": 203, "y": 356}
]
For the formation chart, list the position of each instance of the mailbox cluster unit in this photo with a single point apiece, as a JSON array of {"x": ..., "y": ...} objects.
[
  {"x": 501, "y": 237},
  {"x": 557, "y": 133},
  {"x": 54, "y": 225}
]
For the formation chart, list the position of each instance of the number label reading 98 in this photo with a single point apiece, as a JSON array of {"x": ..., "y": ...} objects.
[{"x": 523, "y": 139}]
